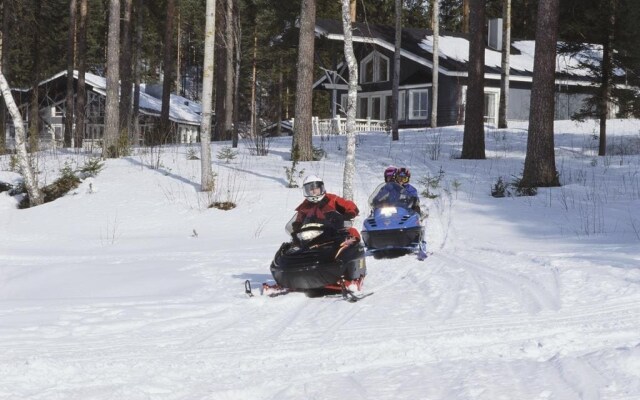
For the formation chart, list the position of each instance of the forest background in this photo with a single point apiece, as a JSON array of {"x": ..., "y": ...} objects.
[{"x": 255, "y": 51}]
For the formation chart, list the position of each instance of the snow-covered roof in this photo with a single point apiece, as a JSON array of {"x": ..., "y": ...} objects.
[
  {"x": 457, "y": 48},
  {"x": 453, "y": 49},
  {"x": 181, "y": 109}
]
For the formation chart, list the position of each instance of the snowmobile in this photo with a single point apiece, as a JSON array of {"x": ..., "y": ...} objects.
[
  {"x": 320, "y": 260},
  {"x": 393, "y": 227}
]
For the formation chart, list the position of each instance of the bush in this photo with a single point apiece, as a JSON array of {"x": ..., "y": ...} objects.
[
  {"x": 292, "y": 173},
  {"x": 227, "y": 154},
  {"x": 514, "y": 188},
  {"x": 223, "y": 205},
  {"x": 500, "y": 189},
  {"x": 431, "y": 183},
  {"x": 61, "y": 186},
  {"x": 91, "y": 168}
]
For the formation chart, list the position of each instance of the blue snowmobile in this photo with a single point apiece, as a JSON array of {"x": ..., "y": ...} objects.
[{"x": 394, "y": 226}]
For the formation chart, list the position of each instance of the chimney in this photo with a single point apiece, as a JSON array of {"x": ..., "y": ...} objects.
[{"x": 495, "y": 34}]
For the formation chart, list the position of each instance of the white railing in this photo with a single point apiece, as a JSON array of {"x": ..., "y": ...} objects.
[{"x": 337, "y": 126}]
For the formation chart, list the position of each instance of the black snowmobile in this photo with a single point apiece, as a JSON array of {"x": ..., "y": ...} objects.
[{"x": 319, "y": 260}]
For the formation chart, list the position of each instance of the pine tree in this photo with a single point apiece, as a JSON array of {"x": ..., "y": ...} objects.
[
  {"x": 473, "y": 141},
  {"x": 112, "y": 117},
  {"x": 539, "y": 164}
]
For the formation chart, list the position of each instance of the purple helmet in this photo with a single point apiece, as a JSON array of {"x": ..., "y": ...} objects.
[{"x": 390, "y": 173}]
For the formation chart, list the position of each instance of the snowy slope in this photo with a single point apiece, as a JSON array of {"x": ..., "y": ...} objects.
[{"x": 131, "y": 288}]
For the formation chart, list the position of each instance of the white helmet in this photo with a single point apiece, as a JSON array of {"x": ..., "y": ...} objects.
[{"x": 309, "y": 185}]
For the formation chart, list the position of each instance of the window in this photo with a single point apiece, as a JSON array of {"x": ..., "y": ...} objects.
[
  {"x": 387, "y": 107},
  {"x": 363, "y": 107},
  {"x": 401, "y": 107},
  {"x": 418, "y": 104},
  {"x": 376, "y": 107},
  {"x": 388, "y": 104},
  {"x": 491, "y": 104},
  {"x": 374, "y": 68}
]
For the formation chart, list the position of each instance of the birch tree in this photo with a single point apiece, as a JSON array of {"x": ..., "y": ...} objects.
[
  {"x": 112, "y": 112},
  {"x": 28, "y": 175},
  {"x": 540, "y": 163},
  {"x": 137, "y": 55},
  {"x": 504, "y": 76},
  {"x": 396, "y": 73},
  {"x": 435, "y": 26},
  {"x": 350, "y": 160},
  {"x": 206, "y": 179}
]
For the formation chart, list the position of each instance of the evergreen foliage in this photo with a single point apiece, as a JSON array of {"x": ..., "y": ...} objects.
[{"x": 271, "y": 24}]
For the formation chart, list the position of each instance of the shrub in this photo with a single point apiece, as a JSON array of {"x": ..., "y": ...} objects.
[
  {"x": 91, "y": 168},
  {"x": 292, "y": 173},
  {"x": 431, "y": 183},
  {"x": 227, "y": 154},
  {"x": 500, "y": 189}
]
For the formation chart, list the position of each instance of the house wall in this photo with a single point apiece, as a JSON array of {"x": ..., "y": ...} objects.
[
  {"x": 566, "y": 104},
  {"x": 451, "y": 92},
  {"x": 449, "y": 101}
]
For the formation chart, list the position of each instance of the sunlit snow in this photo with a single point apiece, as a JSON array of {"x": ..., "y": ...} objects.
[{"x": 131, "y": 288}]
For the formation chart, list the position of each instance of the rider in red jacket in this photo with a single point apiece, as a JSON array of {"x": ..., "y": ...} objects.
[{"x": 322, "y": 207}]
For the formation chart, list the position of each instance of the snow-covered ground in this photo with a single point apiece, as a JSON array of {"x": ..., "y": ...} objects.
[{"x": 131, "y": 288}]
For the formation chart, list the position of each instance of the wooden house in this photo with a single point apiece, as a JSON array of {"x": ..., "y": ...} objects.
[
  {"x": 184, "y": 114},
  {"x": 374, "y": 49}
]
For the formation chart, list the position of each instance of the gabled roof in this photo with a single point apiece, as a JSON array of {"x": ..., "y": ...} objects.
[
  {"x": 417, "y": 45},
  {"x": 181, "y": 109}
]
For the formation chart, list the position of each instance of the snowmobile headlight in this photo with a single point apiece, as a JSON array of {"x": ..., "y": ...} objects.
[
  {"x": 305, "y": 236},
  {"x": 388, "y": 211}
]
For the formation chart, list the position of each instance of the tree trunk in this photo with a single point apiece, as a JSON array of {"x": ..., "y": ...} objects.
[
  {"x": 395, "y": 135},
  {"x": 3, "y": 60},
  {"x": 165, "y": 123},
  {"x": 254, "y": 68},
  {"x": 435, "y": 25},
  {"x": 504, "y": 76},
  {"x": 236, "y": 78},
  {"x": 81, "y": 95},
  {"x": 607, "y": 66},
  {"x": 539, "y": 164},
  {"x": 353, "y": 7},
  {"x": 112, "y": 118},
  {"x": 126, "y": 71},
  {"x": 229, "y": 71},
  {"x": 179, "y": 54},
  {"x": 137, "y": 135},
  {"x": 220, "y": 72},
  {"x": 206, "y": 180},
  {"x": 465, "y": 15},
  {"x": 34, "y": 107},
  {"x": 71, "y": 44},
  {"x": 28, "y": 175},
  {"x": 473, "y": 141},
  {"x": 302, "y": 145},
  {"x": 352, "y": 63}
]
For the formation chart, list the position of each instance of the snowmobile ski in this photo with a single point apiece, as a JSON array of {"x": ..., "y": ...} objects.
[
  {"x": 247, "y": 288},
  {"x": 422, "y": 251},
  {"x": 349, "y": 295}
]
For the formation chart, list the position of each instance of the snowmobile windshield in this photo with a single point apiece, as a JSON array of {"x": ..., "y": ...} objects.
[{"x": 390, "y": 194}]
